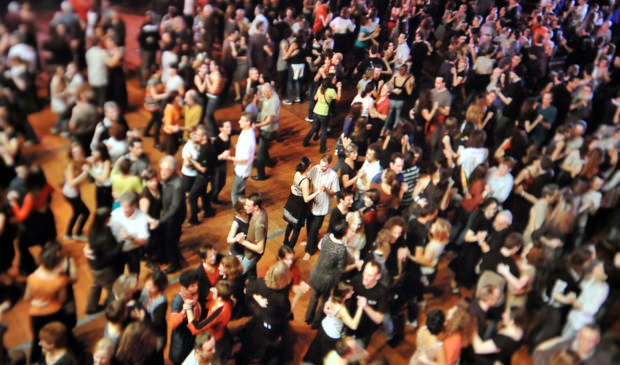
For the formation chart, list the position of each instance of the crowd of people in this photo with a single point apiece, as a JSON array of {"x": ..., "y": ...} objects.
[{"x": 474, "y": 140}]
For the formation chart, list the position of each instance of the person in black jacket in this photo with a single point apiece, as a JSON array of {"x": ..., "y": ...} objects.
[
  {"x": 103, "y": 253},
  {"x": 149, "y": 44},
  {"x": 204, "y": 165},
  {"x": 173, "y": 211}
]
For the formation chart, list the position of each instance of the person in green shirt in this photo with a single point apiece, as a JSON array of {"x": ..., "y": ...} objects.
[{"x": 323, "y": 97}]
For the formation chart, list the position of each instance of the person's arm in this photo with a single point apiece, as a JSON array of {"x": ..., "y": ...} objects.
[
  {"x": 21, "y": 213},
  {"x": 483, "y": 347},
  {"x": 232, "y": 233},
  {"x": 374, "y": 315},
  {"x": 428, "y": 115},
  {"x": 305, "y": 191},
  {"x": 425, "y": 258},
  {"x": 351, "y": 323},
  {"x": 105, "y": 172},
  {"x": 177, "y": 313},
  {"x": 514, "y": 282},
  {"x": 196, "y": 327},
  {"x": 74, "y": 181},
  {"x": 348, "y": 182}
]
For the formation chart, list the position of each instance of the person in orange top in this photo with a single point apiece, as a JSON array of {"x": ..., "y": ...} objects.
[
  {"x": 457, "y": 331},
  {"x": 208, "y": 271},
  {"x": 33, "y": 212},
  {"x": 172, "y": 126},
  {"x": 298, "y": 287},
  {"x": 46, "y": 293},
  {"x": 322, "y": 16},
  {"x": 219, "y": 311}
]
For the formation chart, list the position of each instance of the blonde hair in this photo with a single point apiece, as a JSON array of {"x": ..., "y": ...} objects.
[
  {"x": 440, "y": 230},
  {"x": 278, "y": 276}
]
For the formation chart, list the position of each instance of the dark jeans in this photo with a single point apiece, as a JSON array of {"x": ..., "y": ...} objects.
[
  {"x": 320, "y": 121},
  {"x": 210, "y": 115},
  {"x": 100, "y": 95},
  {"x": 154, "y": 123},
  {"x": 218, "y": 180},
  {"x": 80, "y": 212},
  {"x": 291, "y": 234},
  {"x": 147, "y": 61},
  {"x": 199, "y": 190},
  {"x": 104, "y": 196},
  {"x": 312, "y": 102},
  {"x": 262, "y": 153},
  {"x": 132, "y": 259},
  {"x": 312, "y": 228},
  {"x": 312, "y": 306},
  {"x": 172, "y": 234}
]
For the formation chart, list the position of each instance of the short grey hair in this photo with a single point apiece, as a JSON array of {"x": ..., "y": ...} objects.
[
  {"x": 169, "y": 159},
  {"x": 109, "y": 105},
  {"x": 506, "y": 214}
]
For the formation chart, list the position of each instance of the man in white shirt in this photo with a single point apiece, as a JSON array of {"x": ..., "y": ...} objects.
[
  {"x": 130, "y": 226},
  {"x": 97, "y": 71},
  {"x": 403, "y": 52},
  {"x": 500, "y": 181},
  {"x": 370, "y": 168},
  {"x": 244, "y": 157},
  {"x": 325, "y": 179},
  {"x": 258, "y": 18},
  {"x": 204, "y": 350}
]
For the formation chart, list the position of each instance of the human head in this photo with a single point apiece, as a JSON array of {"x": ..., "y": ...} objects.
[
  {"x": 371, "y": 274},
  {"x": 129, "y": 203},
  {"x": 53, "y": 336},
  {"x": 440, "y": 84},
  {"x": 204, "y": 346},
  {"x": 136, "y": 148},
  {"x": 440, "y": 230},
  {"x": 303, "y": 164},
  {"x": 137, "y": 335},
  {"x": 167, "y": 167},
  {"x": 397, "y": 162},
  {"x": 50, "y": 256},
  {"x": 111, "y": 111},
  {"x": 345, "y": 197},
  {"x": 225, "y": 127},
  {"x": 286, "y": 255},
  {"x": 189, "y": 280},
  {"x": 325, "y": 163},
  {"x": 434, "y": 321},
  {"x": 156, "y": 283},
  {"x": 565, "y": 357},
  {"x": 490, "y": 295},
  {"x": 103, "y": 352},
  {"x": 245, "y": 122},
  {"x": 588, "y": 338},
  {"x": 230, "y": 267},
  {"x": 124, "y": 286},
  {"x": 278, "y": 276},
  {"x": 208, "y": 254},
  {"x": 502, "y": 220}
]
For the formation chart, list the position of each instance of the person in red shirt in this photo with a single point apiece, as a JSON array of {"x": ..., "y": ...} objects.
[
  {"x": 208, "y": 271},
  {"x": 299, "y": 287},
  {"x": 219, "y": 311}
]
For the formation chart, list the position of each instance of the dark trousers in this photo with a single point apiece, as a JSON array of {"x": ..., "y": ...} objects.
[
  {"x": 312, "y": 305},
  {"x": 210, "y": 115},
  {"x": 132, "y": 259},
  {"x": 291, "y": 234},
  {"x": 218, "y": 180},
  {"x": 172, "y": 234},
  {"x": 262, "y": 154},
  {"x": 104, "y": 197},
  {"x": 80, "y": 213},
  {"x": 312, "y": 228},
  {"x": 155, "y": 124},
  {"x": 100, "y": 95},
  {"x": 320, "y": 121},
  {"x": 147, "y": 61},
  {"x": 199, "y": 190}
]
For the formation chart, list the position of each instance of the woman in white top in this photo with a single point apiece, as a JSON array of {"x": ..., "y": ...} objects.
[
  {"x": 75, "y": 173},
  {"x": 429, "y": 349},
  {"x": 100, "y": 168},
  {"x": 428, "y": 257},
  {"x": 58, "y": 103},
  {"x": 117, "y": 143},
  {"x": 594, "y": 292},
  {"x": 332, "y": 326}
]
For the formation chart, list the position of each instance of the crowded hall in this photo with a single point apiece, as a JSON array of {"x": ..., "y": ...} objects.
[{"x": 309, "y": 182}]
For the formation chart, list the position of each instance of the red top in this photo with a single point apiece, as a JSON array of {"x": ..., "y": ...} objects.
[
  {"x": 38, "y": 202},
  {"x": 452, "y": 348},
  {"x": 216, "y": 320},
  {"x": 213, "y": 276},
  {"x": 382, "y": 105},
  {"x": 475, "y": 190},
  {"x": 320, "y": 13}
]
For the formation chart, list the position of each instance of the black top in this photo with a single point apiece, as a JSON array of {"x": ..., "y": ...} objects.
[
  {"x": 172, "y": 200},
  {"x": 377, "y": 300},
  {"x": 491, "y": 259},
  {"x": 417, "y": 234},
  {"x": 277, "y": 312},
  {"x": 155, "y": 204},
  {"x": 507, "y": 347},
  {"x": 350, "y": 172},
  {"x": 335, "y": 218},
  {"x": 207, "y": 158},
  {"x": 220, "y": 146}
]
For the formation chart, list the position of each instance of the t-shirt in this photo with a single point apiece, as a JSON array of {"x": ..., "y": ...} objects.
[
  {"x": 97, "y": 70},
  {"x": 335, "y": 218},
  {"x": 491, "y": 259},
  {"x": 136, "y": 226},
  {"x": 377, "y": 300},
  {"x": 323, "y": 100},
  {"x": 246, "y": 145}
]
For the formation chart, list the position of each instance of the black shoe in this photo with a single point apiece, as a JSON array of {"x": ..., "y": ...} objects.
[
  {"x": 193, "y": 222},
  {"x": 305, "y": 144},
  {"x": 260, "y": 178},
  {"x": 209, "y": 213},
  {"x": 316, "y": 137},
  {"x": 271, "y": 163},
  {"x": 172, "y": 269},
  {"x": 219, "y": 202}
]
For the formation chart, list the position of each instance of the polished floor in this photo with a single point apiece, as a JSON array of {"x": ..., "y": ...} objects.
[{"x": 287, "y": 149}]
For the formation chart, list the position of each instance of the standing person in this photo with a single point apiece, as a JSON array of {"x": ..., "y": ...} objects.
[
  {"x": 172, "y": 123},
  {"x": 441, "y": 102},
  {"x": 173, "y": 211},
  {"x": 130, "y": 227},
  {"x": 149, "y": 44},
  {"x": 203, "y": 164},
  {"x": 366, "y": 285},
  {"x": 46, "y": 291},
  {"x": 256, "y": 239},
  {"x": 324, "y": 96},
  {"x": 296, "y": 207},
  {"x": 155, "y": 305},
  {"x": 268, "y": 123},
  {"x": 76, "y": 172},
  {"x": 222, "y": 147},
  {"x": 100, "y": 169},
  {"x": 325, "y": 180},
  {"x": 213, "y": 88},
  {"x": 97, "y": 71},
  {"x": 104, "y": 254},
  {"x": 117, "y": 85},
  {"x": 541, "y": 127},
  {"x": 429, "y": 347},
  {"x": 244, "y": 157},
  {"x": 181, "y": 339},
  {"x": 327, "y": 271}
]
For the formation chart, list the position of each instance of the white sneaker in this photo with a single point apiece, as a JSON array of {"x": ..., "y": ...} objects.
[
  {"x": 308, "y": 119},
  {"x": 287, "y": 102}
]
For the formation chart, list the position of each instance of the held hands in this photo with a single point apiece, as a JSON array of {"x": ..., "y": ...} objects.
[
  {"x": 239, "y": 237},
  {"x": 362, "y": 302},
  {"x": 260, "y": 300},
  {"x": 503, "y": 269}
]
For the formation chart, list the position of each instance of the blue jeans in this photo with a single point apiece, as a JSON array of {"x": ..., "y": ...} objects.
[
  {"x": 238, "y": 189},
  {"x": 396, "y": 108}
]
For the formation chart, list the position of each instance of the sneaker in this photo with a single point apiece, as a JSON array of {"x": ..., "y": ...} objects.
[
  {"x": 67, "y": 237},
  {"x": 298, "y": 100},
  {"x": 287, "y": 102},
  {"x": 308, "y": 119},
  {"x": 64, "y": 134},
  {"x": 80, "y": 237},
  {"x": 413, "y": 323}
]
